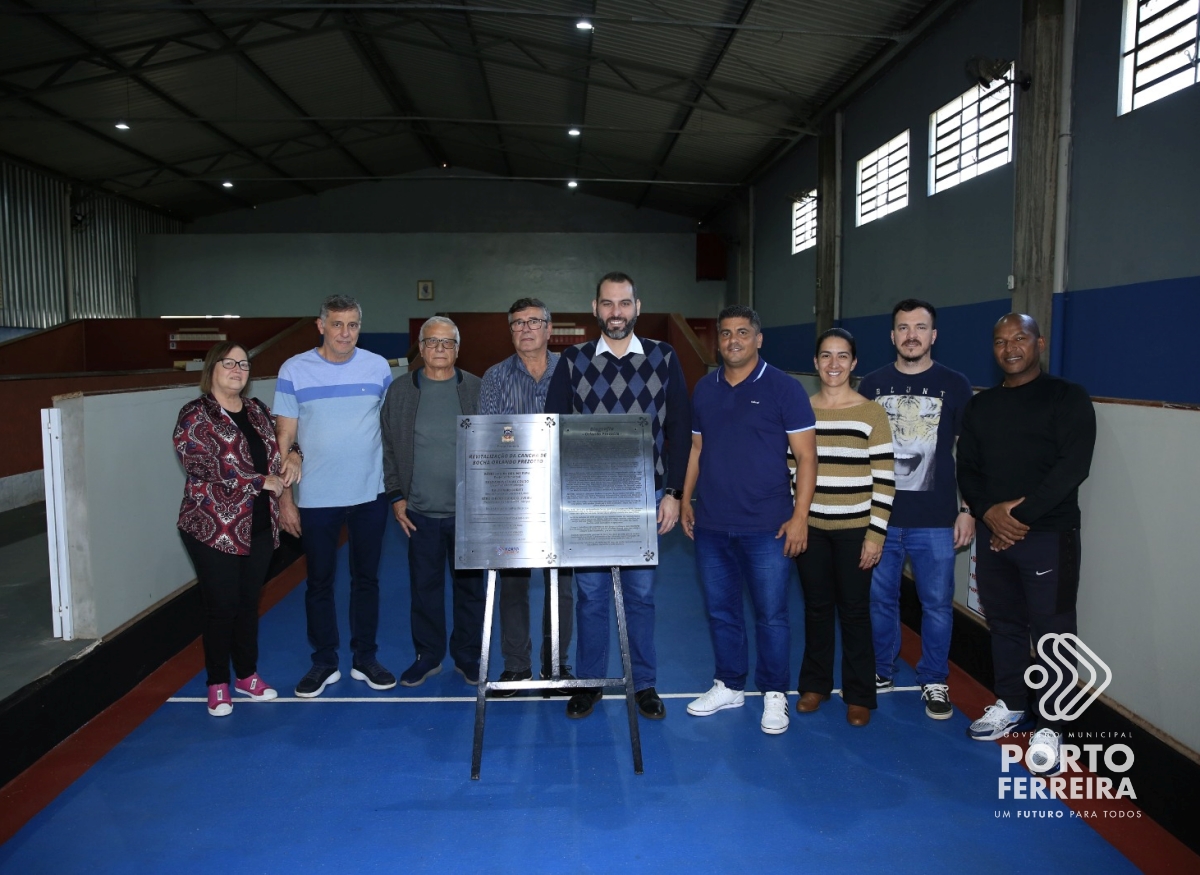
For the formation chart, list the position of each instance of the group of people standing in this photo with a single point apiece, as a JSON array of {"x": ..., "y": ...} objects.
[{"x": 873, "y": 485}]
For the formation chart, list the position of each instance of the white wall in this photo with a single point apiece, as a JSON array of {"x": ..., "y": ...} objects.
[
  {"x": 1138, "y": 596},
  {"x": 123, "y": 488}
]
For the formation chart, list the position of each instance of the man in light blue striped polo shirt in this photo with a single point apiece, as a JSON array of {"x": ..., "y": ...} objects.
[{"x": 327, "y": 402}]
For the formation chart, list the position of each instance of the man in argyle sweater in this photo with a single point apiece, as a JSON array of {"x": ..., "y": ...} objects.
[{"x": 622, "y": 373}]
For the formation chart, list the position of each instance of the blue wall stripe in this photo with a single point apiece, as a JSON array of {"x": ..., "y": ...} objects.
[
  {"x": 964, "y": 341},
  {"x": 1094, "y": 332},
  {"x": 789, "y": 347},
  {"x": 1106, "y": 329},
  {"x": 390, "y": 345}
]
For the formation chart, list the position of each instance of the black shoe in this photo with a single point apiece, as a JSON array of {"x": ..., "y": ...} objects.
[
  {"x": 415, "y": 674},
  {"x": 469, "y": 672},
  {"x": 376, "y": 676},
  {"x": 581, "y": 704},
  {"x": 563, "y": 675},
  {"x": 313, "y": 683},
  {"x": 525, "y": 675},
  {"x": 937, "y": 701},
  {"x": 649, "y": 704}
]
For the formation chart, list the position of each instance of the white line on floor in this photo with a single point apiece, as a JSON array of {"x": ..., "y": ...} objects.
[{"x": 431, "y": 699}]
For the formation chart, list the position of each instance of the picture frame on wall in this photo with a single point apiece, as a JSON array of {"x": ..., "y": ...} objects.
[{"x": 424, "y": 290}]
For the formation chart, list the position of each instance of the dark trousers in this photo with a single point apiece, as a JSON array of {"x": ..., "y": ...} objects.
[
  {"x": 229, "y": 587},
  {"x": 430, "y": 551},
  {"x": 1027, "y": 591},
  {"x": 515, "y": 643},
  {"x": 831, "y": 579},
  {"x": 321, "y": 528}
]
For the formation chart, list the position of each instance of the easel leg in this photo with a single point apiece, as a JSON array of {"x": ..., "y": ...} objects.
[
  {"x": 635, "y": 736},
  {"x": 481, "y": 689},
  {"x": 555, "y": 631}
]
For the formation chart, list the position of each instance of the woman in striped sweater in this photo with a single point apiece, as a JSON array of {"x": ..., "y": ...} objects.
[{"x": 847, "y": 525}]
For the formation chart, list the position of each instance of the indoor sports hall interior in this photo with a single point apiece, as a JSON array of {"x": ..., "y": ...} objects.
[{"x": 174, "y": 175}]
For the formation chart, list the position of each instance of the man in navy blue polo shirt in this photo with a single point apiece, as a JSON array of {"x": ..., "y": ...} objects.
[{"x": 746, "y": 525}]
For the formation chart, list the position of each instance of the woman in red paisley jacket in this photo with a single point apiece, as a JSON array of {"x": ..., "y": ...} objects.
[{"x": 229, "y": 519}]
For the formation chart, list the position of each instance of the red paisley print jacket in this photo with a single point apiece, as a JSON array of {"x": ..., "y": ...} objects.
[{"x": 218, "y": 498}]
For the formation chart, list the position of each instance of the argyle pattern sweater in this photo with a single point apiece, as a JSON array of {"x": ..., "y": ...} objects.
[{"x": 650, "y": 382}]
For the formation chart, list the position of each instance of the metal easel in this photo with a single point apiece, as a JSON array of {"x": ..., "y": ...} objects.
[{"x": 555, "y": 682}]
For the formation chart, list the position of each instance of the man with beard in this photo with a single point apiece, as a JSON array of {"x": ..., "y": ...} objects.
[
  {"x": 622, "y": 373},
  {"x": 924, "y": 401}
]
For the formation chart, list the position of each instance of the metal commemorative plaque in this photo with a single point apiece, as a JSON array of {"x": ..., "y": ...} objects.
[
  {"x": 606, "y": 469},
  {"x": 507, "y": 510}
]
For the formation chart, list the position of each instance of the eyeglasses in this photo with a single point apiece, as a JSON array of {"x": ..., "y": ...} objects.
[
  {"x": 520, "y": 324},
  {"x": 439, "y": 343},
  {"x": 230, "y": 364}
]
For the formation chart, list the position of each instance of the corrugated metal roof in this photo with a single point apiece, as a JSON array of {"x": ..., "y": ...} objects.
[{"x": 316, "y": 95}]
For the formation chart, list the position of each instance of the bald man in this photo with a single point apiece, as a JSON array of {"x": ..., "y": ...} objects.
[{"x": 1026, "y": 446}]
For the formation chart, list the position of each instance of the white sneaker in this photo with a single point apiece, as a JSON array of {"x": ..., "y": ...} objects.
[
  {"x": 717, "y": 699},
  {"x": 775, "y": 713},
  {"x": 1043, "y": 752},
  {"x": 996, "y": 722}
]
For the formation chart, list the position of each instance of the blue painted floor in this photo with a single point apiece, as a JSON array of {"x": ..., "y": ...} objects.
[{"x": 363, "y": 782}]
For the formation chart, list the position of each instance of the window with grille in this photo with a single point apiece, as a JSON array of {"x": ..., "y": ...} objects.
[
  {"x": 971, "y": 134},
  {"x": 804, "y": 222},
  {"x": 1159, "y": 49},
  {"x": 882, "y": 181}
]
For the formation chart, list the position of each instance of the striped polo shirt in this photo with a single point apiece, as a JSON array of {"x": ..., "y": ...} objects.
[
  {"x": 509, "y": 388},
  {"x": 855, "y": 470},
  {"x": 337, "y": 408}
]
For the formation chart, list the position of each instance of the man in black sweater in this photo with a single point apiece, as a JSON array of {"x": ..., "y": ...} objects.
[{"x": 1025, "y": 447}]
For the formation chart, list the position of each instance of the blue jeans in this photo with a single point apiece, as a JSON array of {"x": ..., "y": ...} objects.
[
  {"x": 430, "y": 550},
  {"x": 724, "y": 560},
  {"x": 593, "y": 592},
  {"x": 932, "y": 555},
  {"x": 322, "y": 527}
]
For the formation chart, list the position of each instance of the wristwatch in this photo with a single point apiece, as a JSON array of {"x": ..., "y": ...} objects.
[{"x": 672, "y": 493}]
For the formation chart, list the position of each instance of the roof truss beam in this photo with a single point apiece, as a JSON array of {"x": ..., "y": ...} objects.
[
  {"x": 109, "y": 60},
  {"x": 567, "y": 67}
]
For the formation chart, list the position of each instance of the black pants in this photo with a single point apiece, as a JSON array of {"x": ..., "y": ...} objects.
[
  {"x": 1027, "y": 591},
  {"x": 830, "y": 578},
  {"x": 229, "y": 587},
  {"x": 430, "y": 552},
  {"x": 515, "y": 643}
]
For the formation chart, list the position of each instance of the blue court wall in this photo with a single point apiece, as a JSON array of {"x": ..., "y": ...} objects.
[{"x": 1133, "y": 280}]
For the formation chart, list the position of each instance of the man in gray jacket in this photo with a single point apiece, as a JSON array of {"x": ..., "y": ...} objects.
[{"x": 419, "y": 422}]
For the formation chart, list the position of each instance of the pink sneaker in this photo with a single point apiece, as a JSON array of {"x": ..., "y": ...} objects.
[
  {"x": 256, "y": 688},
  {"x": 218, "y": 700}
]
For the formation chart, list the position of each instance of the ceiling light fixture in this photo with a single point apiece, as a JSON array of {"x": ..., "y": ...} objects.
[
  {"x": 227, "y": 184},
  {"x": 572, "y": 184},
  {"x": 121, "y": 126},
  {"x": 574, "y": 132},
  {"x": 584, "y": 24}
]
